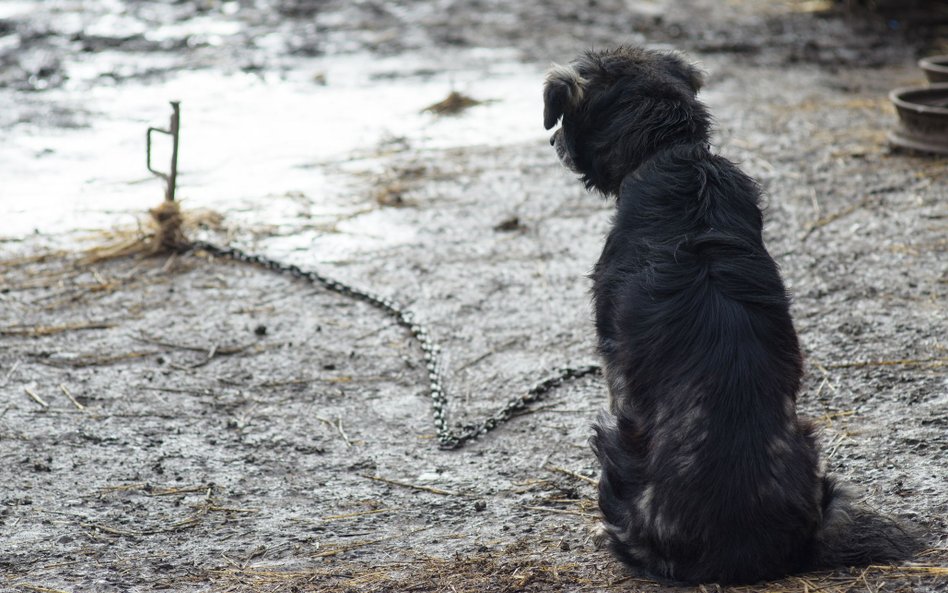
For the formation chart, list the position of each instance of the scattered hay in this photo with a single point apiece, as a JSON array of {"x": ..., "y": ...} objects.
[
  {"x": 164, "y": 232},
  {"x": 90, "y": 360},
  {"x": 40, "y": 258},
  {"x": 396, "y": 183},
  {"x": 871, "y": 104},
  {"x": 421, "y": 488},
  {"x": 49, "y": 330},
  {"x": 933, "y": 362},
  {"x": 812, "y": 6},
  {"x": 529, "y": 567},
  {"x": 812, "y": 226},
  {"x": 453, "y": 104},
  {"x": 573, "y": 474},
  {"x": 38, "y": 588},
  {"x": 508, "y": 570},
  {"x": 392, "y": 195}
]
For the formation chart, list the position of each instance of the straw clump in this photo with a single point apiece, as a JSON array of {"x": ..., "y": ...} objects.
[{"x": 165, "y": 231}]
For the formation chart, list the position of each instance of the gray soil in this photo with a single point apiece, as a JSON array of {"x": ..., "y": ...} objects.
[{"x": 234, "y": 429}]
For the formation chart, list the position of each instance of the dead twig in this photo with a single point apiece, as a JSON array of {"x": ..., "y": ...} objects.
[
  {"x": 38, "y": 588},
  {"x": 412, "y": 486},
  {"x": 350, "y": 547},
  {"x": 264, "y": 575},
  {"x": 174, "y": 491},
  {"x": 35, "y": 397},
  {"x": 855, "y": 364},
  {"x": 151, "y": 491},
  {"x": 92, "y": 359},
  {"x": 33, "y": 259},
  {"x": 338, "y": 426},
  {"x": 830, "y": 416},
  {"x": 358, "y": 514},
  {"x": 211, "y": 352},
  {"x": 927, "y": 569},
  {"x": 865, "y": 581},
  {"x": 124, "y": 487},
  {"x": 809, "y": 586},
  {"x": 215, "y": 347},
  {"x": 205, "y": 507},
  {"x": 189, "y": 367},
  {"x": 204, "y": 391},
  {"x": 267, "y": 384},
  {"x": 561, "y": 511},
  {"x": 49, "y": 330},
  {"x": 213, "y": 508},
  {"x": 68, "y": 394},
  {"x": 488, "y": 354},
  {"x": 177, "y": 526},
  {"x": 573, "y": 474},
  {"x": 6, "y": 379},
  {"x": 832, "y": 217},
  {"x": 356, "y": 545}
]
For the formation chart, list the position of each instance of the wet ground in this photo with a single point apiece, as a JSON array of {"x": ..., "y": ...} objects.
[{"x": 188, "y": 424}]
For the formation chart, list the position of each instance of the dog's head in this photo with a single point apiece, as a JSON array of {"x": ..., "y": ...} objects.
[{"x": 619, "y": 107}]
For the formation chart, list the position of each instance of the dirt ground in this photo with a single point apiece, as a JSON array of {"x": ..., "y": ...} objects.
[{"x": 186, "y": 423}]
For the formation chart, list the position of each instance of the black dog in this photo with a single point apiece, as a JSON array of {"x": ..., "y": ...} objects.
[{"x": 707, "y": 472}]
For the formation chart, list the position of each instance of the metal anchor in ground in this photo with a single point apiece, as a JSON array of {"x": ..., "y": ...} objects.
[
  {"x": 171, "y": 178},
  {"x": 169, "y": 236}
]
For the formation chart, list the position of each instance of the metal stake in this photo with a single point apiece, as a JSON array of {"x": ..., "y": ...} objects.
[{"x": 171, "y": 178}]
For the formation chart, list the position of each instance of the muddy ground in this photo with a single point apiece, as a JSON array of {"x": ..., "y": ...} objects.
[{"x": 190, "y": 424}]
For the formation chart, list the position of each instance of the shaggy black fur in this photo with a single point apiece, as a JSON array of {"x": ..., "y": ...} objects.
[{"x": 707, "y": 472}]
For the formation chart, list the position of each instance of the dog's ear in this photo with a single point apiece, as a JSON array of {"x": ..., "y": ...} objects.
[
  {"x": 562, "y": 91},
  {"x": 685, "y": 70}
]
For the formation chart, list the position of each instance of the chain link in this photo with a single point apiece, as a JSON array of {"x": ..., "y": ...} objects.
[{"x": 447, "y": 437}]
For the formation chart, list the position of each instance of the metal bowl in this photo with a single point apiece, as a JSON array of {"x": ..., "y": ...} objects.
[
  {"x": 935, "y": 67},
  {"x": 923, "y": 118}
]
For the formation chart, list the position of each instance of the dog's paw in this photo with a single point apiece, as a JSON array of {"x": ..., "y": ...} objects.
[{"x": 600, "y": 536}]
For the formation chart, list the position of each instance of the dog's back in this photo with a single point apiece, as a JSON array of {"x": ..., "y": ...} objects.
[{"x": 704, "y": 365}]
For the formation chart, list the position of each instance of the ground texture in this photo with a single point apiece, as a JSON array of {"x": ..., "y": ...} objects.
[{"x": 188, "y": 423}]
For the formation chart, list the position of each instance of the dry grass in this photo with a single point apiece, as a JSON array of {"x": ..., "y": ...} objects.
[
  {"x": 524, "y": 567},
  {"x": 514, "y": 568},
  {"x": 49, "y": 330},
  {"x": 165, "y": 231}
]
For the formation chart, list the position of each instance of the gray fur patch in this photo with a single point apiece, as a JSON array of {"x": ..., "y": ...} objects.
[
  {"x": 568, "y": 76},
  {"x": 644, "y": 503},
  {"x": 617, "y": 386},
  {"x": 790, "y": 408},
  {"x": 779, "y": 446},
  {"x": 664, "y": 527},
  {"x": 562, "y": 92}
]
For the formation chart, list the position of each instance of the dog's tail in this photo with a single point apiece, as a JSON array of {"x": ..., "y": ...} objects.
[
  {"x": 615, "y": 443},
  {"x": 852, "y": 535}
]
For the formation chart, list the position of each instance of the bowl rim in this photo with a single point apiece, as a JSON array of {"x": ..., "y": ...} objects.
[
  {"x": 895, "y": 95},
  {"x": 937, "y": 63},
  {"x": 904, "y": 140}
]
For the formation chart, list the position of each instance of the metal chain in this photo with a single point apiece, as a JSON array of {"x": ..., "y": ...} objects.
[{"x": 447, "y": 437}]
